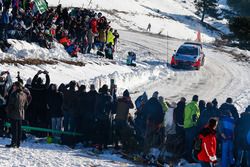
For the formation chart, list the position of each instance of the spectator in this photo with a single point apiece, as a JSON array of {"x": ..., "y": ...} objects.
[
  {"x": 110, "y": 37},
  {"x": 242, "y": 142},
  {"x": 179, "y": 117},
  {"x": 55, "y": 101},
  {"x": 124, "y": 103},
  {"x": 226, "y": 130},
  {"x": 17, "y": 104},
  {"x": 70, "y": 107},
  {"x": 191, "y": 116},
  {"x": 228, "y": 106},
  {"x": 149, "y": 27},
  {"x": 103, "y": 107},
  {"x": 109, "y": 51},
  {"x": 207, "y": 135},
  {"x": 38, "y": 113}
]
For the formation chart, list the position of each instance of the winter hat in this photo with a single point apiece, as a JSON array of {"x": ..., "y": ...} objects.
[
  {"x": 195, "y": 98},
  {"x": 212, "y": 123},
  {"x": 215, "y": 102},
  {"x": 28, "y": 82},
  {"x": 126, "y": 93},
  {"x": 92, "y": 87},
  {"x": 105, "y": 88},
  {"x": 155, "y": 94},
  {"x": 229, "y": 100},
  {"x": 161, "y": 99}
]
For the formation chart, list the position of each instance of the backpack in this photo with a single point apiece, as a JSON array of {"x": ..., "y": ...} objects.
[{"x": 197, "y": 147}]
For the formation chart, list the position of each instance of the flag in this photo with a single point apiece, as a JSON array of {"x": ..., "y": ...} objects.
[{"x": 41, "y": 5}]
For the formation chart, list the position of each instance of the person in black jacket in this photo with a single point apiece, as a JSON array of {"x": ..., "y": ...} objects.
[
  {"x": 38, "y": 112},
  {"x": 154, "y": 115},
  {"x": 229, "y": 106},
  {"x": 103, "y": 108},
  {"x": 81, "y": 116},
  {"x": 206, "y": 115},
  {"x": 242, "y": 140},
  {"x": 70, "y": 107},
  {"x": 90, "y": 110},
  {"x": 179, "y": 116},
  {"x": 54, "y": 104}
]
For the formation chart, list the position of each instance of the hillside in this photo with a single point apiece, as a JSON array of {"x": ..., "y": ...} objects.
[{"x": 167, "y": 17}]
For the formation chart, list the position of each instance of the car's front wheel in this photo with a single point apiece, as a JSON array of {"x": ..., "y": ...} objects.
[{"x": 198, "y": 67}]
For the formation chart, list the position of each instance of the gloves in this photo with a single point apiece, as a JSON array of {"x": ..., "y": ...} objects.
[{"x": 213, "y": 158}]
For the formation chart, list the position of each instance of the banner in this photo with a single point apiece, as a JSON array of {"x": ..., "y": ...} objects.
[{"x": 41, "y": 5}]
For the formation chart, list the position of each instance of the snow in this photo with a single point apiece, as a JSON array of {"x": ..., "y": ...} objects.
[
  {"x": 221, "y": 77},
  {"x": 96, "y": 70},
  {"x": 172, "y": 17},
  {"x": 35, "y": 153}
]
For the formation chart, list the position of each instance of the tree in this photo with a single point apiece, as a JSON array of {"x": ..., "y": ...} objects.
[
  {"x": 240, "y": 6},
  {"x": 240, "y": 26},
  {"x": 209, "y": 7}
]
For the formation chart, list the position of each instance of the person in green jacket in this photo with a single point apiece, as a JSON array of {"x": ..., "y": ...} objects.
[
  {"x": 191, "y": 116},
  {"x": 163, "y": 104},
  {"x": 110, "y": 37}
]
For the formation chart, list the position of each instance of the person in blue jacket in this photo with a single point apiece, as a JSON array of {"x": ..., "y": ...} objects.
[
  {"x": 226, "y": 131},
  {"x": 242, "y": 138}
]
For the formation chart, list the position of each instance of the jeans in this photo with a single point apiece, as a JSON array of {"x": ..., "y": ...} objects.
[
  {"x": 89, "y": 47},
  {"x": 227, "y": 158},
  {"x": 190, "y": 134},
  {"x": 56, "y": 124},
  {"x": 240, "y": 154},
  {"x": 69, "y": 122}
]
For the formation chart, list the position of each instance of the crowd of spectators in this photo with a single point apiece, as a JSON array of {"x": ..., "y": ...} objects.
[{"x": 77, "y": 29}]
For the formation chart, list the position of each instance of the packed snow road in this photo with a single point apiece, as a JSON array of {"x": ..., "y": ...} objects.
[{"x": 221, "y": 76}]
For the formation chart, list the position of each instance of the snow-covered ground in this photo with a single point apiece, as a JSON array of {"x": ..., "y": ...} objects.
[
  {"x": 222, "y": 75},
  {"x": 41, "y": 154},
  {"x": 175, "y": 18}
]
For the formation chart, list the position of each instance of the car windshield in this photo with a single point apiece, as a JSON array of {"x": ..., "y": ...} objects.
[{"x": 188, "y": 50}]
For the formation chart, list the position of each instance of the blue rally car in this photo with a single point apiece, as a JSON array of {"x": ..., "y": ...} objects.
[{"x": 189, "y": 56}]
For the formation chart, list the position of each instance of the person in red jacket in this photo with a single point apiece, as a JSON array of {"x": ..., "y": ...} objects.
[
  {"x": 207, "y": 155},
  {"x": 93, "y": 24}
]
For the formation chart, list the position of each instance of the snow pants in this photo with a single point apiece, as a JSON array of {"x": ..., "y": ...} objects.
[{"x": 16, "y": 132}]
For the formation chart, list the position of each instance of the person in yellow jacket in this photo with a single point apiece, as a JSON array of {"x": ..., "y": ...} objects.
[
  {"x": 191, "y": 116},
  {"x": 110, "y": 37}
]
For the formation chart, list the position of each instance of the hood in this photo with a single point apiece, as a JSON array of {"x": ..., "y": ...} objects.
[{"x": 183, "y": 57}]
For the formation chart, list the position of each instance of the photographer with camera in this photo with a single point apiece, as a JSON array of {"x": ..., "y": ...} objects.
[{"x": 38, "y": 112}]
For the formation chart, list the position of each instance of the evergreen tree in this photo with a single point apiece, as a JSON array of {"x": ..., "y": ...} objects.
[
  {"x": 207, "y": 7},
  {"x": 240, "y": 6},
  {"x": 240, "y": 26}
]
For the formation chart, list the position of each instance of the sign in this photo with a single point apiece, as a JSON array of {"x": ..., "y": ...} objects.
[{"x": 41, "y": 5}]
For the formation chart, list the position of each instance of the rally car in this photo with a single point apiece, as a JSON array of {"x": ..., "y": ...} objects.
[{"x": 189, "y": 55}]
